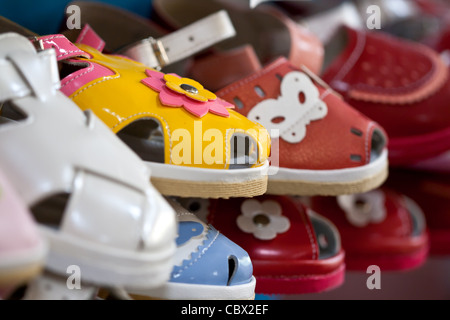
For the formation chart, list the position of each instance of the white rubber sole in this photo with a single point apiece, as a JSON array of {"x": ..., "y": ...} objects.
[
  {"x": 329, "y": 182},
  {"x": 107, "y": 266},
  {"x": 173, "y": 180},
  {"x": 183, "y": 291}
]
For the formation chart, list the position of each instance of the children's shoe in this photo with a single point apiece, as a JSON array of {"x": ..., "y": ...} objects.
[
  {"x": 380, "y": 227},
  {"x": 431, "y": 190},
  {"x": 400, "y": 84},
  {"x": 293, "y": 250},
  {"x": 323, "y": 146},
  {"x": 81, "y": 183},
  {"x": 207, "y": 265},
  {"x": 22, "y": 249},
  {"x": 193, "y": 141}
]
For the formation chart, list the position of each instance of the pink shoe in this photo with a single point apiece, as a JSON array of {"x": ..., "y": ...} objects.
[{"x": 22, "y": 250}]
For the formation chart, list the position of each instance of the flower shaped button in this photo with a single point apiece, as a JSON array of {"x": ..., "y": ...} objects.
[
  {"x": 362, "y": 209},
  {"x": 175, "y": 91},
  {"x": 263, "y": 219}
]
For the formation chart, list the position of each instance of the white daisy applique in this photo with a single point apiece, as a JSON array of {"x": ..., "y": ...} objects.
[
  {"x": 263, "y": 219},
  {"x": 364, "y": 208},
  {"x": 288, "y": 115}
]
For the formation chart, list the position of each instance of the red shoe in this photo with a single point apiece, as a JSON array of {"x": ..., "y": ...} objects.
[
  {"x": 325, "y": 147},
  {"x": 400, "y": 84},
  {"x": 432, "y": 192},
  {"x": 293, "y": 250},
  {"x": 380, "y": 227}
]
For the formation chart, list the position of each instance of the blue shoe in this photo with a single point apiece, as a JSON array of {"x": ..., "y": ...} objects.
[{"x": 207, "y": 265}]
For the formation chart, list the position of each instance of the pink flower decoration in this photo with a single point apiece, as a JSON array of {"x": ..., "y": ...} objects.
[{"x": 175, "y": 96}]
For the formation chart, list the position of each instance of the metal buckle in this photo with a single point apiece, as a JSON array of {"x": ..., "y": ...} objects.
[
  {"x": 160, "y": 52},
  {"x": 38, "y": 43}
]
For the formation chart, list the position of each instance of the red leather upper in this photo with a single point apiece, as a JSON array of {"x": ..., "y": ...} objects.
[
  {"x": 293, "y": 252},
  {"x": 329, "y": 142},
  {"x": 404, "y": 86},
  {"x": 393, "y": 235}
]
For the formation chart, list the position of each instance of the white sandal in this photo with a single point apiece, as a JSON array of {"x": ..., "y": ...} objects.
[{"x": 88, "y": 191}]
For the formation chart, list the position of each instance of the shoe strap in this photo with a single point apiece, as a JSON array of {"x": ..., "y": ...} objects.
[
  {"x": 64, "y": 48},
  {"x": 183, "y": 43},
  {"x": 20, "y": 69}
]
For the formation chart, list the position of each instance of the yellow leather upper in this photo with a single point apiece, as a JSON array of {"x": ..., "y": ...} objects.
[{"x": 121, "y": 99}]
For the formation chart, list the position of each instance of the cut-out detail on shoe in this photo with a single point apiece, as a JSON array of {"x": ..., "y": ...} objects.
[
  {"x": 378, "y": 144},
  {"x": 145, "y": 137},
  {"x": 327, "y": 236},
  {"x": 238, "y": 102},
  {"x": 356, "y": 157},
  {"x": 66, "y": 68},
  {"x": 244, "y": 151},
  {"x": 417, "y": 217},
  {"x": 50, "y": 211},
  {"x": 10, "y": 113},
  {"x": 356, "y": 132},
  {"x": 278, "y": 119},
  {"x": 232, "y": 268},
  {"x": 259, "y": 91}
]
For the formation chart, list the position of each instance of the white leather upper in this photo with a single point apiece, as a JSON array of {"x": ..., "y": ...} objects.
[{"x": 58, "y": 149}]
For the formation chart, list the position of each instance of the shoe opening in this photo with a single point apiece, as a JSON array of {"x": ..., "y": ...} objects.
[
  {"x": 244, "y": 152},
  {"x": 232, "y": 267},
  {"x": 378, "y": 144},
  {"x": 417, "y": 217},
  {"x": 10, "y": 113},
  {"x": 327, "y": 235},
  {"x": 49, "y": 211},
  {"x": 146, "y": 138}
]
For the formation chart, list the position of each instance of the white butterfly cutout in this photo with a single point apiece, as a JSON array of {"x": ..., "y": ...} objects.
[{"x": 293, "y": 113}]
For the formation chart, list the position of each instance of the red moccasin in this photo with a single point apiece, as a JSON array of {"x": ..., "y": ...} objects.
[
  {"x": 293, "y": 250},
  {"x": 380, "y": 227},
  {"x": 402, "y": 85}
]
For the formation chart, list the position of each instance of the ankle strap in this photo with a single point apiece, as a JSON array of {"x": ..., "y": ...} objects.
[{"x": 183, "y": 43}]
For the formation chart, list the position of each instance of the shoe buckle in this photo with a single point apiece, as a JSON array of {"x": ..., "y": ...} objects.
[
  {"x": 160, "y": 52},
  {"x": 38, "y": 43}
]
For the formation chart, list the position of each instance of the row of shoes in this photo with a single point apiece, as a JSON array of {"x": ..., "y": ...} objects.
[{"x": 218, "y": 151}]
